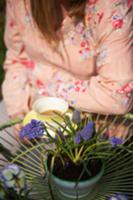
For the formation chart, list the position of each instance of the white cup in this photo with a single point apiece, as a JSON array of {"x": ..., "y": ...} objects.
[
  {"x": 50, "y": 105},
  {"x": 45, "y": 105}
]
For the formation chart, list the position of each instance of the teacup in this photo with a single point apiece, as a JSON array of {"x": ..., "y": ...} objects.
[
  {"x": 46, "y": 109},
  {"x": 50, "y": 107}
]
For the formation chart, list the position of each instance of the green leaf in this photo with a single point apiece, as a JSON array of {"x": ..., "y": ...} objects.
[
  {"x": 117, "y": 177},
  {"x": 10, "y": 123}
]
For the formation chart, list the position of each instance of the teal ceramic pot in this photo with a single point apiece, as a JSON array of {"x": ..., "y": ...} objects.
[{"x": 71, "y": 190}]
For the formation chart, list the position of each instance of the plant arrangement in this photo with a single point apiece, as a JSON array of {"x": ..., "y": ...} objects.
[{"x": 81, "y": 161}]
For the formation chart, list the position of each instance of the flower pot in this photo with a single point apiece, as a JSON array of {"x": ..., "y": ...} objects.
[{"x": 72, "y": 189}]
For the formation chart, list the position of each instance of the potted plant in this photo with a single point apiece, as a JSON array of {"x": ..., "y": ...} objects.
[
  {"x": 80, "y": 160},
  {"x": 75, "y": 163}
]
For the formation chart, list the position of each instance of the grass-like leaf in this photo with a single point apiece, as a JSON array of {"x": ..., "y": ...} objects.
[{"x": 118, "y": 174}]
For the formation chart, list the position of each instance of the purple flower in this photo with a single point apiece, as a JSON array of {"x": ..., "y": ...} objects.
[
  {"x": 87, "y": 132},
  {"x": 76, "y": 118},
  {"x": 118, "y": 197},
  {"x": 35, "y": 129},
  {"x": 115, "y": 141},
  {"x": 77, "y": 138}
]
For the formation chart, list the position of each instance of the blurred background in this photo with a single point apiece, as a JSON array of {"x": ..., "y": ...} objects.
[{"x": 2, "y": 47}]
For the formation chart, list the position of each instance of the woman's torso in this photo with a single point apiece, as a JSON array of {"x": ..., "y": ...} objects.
[{"x": 76, "y": 54}]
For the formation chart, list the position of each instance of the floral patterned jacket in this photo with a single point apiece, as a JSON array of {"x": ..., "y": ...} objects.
[{"x": 95, "y": 71}]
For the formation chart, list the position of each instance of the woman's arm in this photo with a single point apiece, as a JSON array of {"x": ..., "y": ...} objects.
[
  {"x": 21, "y": 73},
  {"x": 110, "y": 91},
  {"x": 16, "y": 89}
]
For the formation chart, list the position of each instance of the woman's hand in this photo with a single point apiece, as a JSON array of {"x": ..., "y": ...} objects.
[
  {"x": 16, "y": 130},
  {"x": 115, "y": 130},
  {"x": 120, "y": 131}
]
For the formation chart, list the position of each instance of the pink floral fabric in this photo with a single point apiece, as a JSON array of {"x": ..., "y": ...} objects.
[{"x": 92, "y": 68}]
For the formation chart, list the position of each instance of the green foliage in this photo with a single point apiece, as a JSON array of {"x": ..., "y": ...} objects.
[
  {"x": 10, "y": 123},
  {"x": 2, "y": 3},
  {"x": 78, "y": 140},
  {"x": 117, "y": 177}
]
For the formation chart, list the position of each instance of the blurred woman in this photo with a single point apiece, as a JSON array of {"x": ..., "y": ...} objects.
[{"x": 78, "y": 50}]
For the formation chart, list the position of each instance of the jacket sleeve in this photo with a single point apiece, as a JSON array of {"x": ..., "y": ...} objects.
[
  {"x": 110, "y": 91},
  {"x": 16, "y": 89}
]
